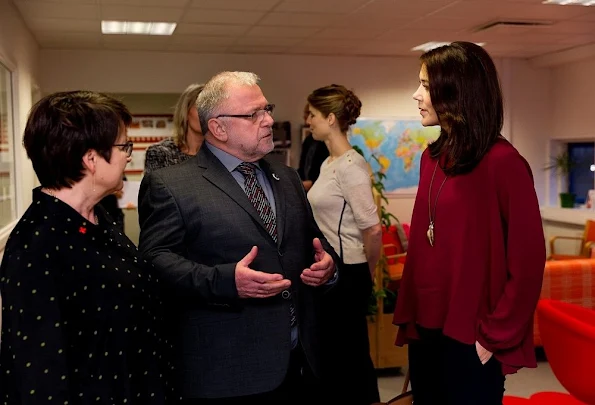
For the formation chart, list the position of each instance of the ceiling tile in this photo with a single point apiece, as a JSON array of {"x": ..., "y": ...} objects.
[
  {"x": 509, "y": 1},
  {"x": 132, "y": 13},
  {"x": 541, "y": 49},
  {"x": 548, "y": 12},
  {"x": 506, "y": 32},
  {"x": 417, "y": 36},
  {"x": 63, "y": 25},
  {"x": 199, "y": 48},
  {"x": 268, "y": 41},
  {"x": 252, "y": 49},
  {"x": 371, "y": 21},
  {"x": 503, "y": 47},
  {"x": 251, "y": 5},
  {"x": 338, "y": 43},
  {"x": 136, "y": 42},
  {"x": 487, "y": 11},
  {"x": 404, "y": 9},
  {"x": 211, "y": 29},
  {"x": 437, "y": 22},
  {"x": 282, "y": 32},
  {"x": 570, "y": 27},
  {"x": 221, "y": 16},
  {"x": 383, "y": 48},
  {"x": 69, "y": 36},
  {"x": 57, "y": 1},
  {"x": 321, "y": 27},
  {"x": 577, "y": 40},
  {"x": 350, "y": 33},
  {"x": 39, "y": 9},
  {"x": 209, "y": 41},
  {"x": 70, "y": 45},
  {"x": 318, "y": 6},
  {"x": 299, "y": 19},
  {"x": 540, "y": 38},
  {"x": 146, "y": 3},
  {"x": 70, "y": 40},
  {"x": 588, "y": 16},
  {"x": 318, "y": 50}
]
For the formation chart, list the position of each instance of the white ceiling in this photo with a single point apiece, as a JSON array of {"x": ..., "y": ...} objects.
[{"x": 321, "y": 27}]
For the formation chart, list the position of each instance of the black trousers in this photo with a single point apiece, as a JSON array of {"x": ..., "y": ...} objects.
[
  {"x": 447, "y": 372},
  {"x": 299, "y": 387},
  {"x": 350, "y": 377}
]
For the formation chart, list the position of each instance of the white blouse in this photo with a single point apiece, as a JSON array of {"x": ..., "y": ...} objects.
[{"x": 346, "y": 178}]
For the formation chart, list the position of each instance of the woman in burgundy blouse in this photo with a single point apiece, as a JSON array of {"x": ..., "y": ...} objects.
[{"x": 477, "y": 252}]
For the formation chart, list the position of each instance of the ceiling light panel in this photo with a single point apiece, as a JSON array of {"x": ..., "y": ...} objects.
[{"x": 137, "y": 28}]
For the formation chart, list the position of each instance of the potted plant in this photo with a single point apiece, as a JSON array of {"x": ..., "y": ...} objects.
[
  {"x": 380, "y": 291},
  {"x": 381, "y": 331},
  {"x": 562, "y": 164}
]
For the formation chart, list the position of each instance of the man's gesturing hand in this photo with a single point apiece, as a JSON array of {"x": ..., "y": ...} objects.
[
  {"x": 321, "y": 270},
  {"x": 257, "y": 284}
]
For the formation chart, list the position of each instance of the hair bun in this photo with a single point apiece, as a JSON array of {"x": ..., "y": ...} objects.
[{"x": 353, "y": 106}]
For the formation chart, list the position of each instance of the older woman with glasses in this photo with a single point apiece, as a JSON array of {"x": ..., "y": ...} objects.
[{"x": 80, "y": 306}]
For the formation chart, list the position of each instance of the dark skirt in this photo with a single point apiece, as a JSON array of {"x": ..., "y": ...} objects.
[{"x": 349, "y": 372}]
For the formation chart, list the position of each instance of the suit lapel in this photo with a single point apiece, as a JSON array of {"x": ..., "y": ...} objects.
[
  {"x": 220, "y": 177},
  {"x": 277, "y": 186}
]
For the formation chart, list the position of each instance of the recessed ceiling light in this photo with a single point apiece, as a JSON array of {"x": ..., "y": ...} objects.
[
  {"x": 431, "y": 45},
  {"x": 137, "y": 27},
  {"x": 571, "y": 2}
]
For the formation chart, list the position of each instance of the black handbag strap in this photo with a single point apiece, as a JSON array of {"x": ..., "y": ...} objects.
[{"x": 339, "y": 229}]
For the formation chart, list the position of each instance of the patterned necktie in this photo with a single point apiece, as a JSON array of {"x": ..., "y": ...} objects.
[{"x": 257, "y": 197}]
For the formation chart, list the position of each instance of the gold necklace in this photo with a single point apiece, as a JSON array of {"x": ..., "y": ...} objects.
[
  {"x": 51, "y": 193},
  {"x": 432, "y": 218}
]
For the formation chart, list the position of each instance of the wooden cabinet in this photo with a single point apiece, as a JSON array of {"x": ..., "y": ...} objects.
[
  {"x": 381, "y": 331},
  {"x": 382, "y": 334}
]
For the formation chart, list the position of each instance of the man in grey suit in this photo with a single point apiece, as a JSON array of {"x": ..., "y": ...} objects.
[{"x": 233, "y": 238}]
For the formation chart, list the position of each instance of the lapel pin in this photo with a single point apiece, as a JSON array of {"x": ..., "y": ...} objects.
[{"x": 275, "y": 177}]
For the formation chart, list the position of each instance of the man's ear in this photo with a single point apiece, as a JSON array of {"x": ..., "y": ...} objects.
[
  {"x": 217, "y": 129},
  {"x": 90, "y": 160}
]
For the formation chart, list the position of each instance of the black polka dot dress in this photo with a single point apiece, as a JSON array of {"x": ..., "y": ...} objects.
[{"x": 80, "y": 313}]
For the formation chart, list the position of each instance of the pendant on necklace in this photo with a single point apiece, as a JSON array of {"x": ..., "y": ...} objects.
[{"x": 430, "y": 233}]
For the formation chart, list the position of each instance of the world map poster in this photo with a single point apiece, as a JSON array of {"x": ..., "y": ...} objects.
[{"x": 398, "y": 145}]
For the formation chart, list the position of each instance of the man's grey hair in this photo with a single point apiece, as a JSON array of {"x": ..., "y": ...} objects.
[{"x": 216, "y": 91}]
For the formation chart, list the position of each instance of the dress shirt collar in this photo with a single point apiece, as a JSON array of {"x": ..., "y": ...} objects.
[{"x": 229, "y": 161}]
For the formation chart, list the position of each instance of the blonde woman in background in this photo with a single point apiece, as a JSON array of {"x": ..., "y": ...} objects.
[
  {"x": 187, "y": 139},
  {"x": 345, "y": 211}
]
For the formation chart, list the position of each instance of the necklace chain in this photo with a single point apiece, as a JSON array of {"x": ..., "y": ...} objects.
[
  {"x": 51, "y": 193},
  {"x": 432, "y": 216}
]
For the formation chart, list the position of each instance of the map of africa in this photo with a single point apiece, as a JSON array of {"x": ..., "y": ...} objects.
[{"x": 398, "y": 145}]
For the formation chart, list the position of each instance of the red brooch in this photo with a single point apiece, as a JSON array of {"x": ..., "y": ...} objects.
[{"x": 83, "y": 230}]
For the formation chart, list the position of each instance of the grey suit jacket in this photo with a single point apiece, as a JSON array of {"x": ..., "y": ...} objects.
[{"x": 196, "y": 224}]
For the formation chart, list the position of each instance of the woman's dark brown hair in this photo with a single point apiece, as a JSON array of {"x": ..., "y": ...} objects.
[
  {"x": 467, "y": 98},
  {"x": 340, "y": 101},
  {"x": 63, "y": 126}
]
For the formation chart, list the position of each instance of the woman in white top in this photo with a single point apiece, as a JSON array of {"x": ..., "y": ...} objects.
[{"x": 344, "y": 208}]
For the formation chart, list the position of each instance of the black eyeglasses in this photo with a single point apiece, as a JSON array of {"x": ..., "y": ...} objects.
[
  {"x": 256, "y": 116},
  {"x": 125, "y": 147}
]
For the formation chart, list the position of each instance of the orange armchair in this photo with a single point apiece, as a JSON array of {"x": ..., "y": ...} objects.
[
  {"x": 586, "y": 242},
  {"x": 568, "y": 335}
]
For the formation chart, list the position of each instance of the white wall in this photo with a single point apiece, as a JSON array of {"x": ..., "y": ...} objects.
[
  {"x": 19, "y": 52},
  {"x": 573, "y": 100},
  {"x": 573, "y": 111},
  {"x": 529, "y": 111},
  {"x": 385, "y": 86}
]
